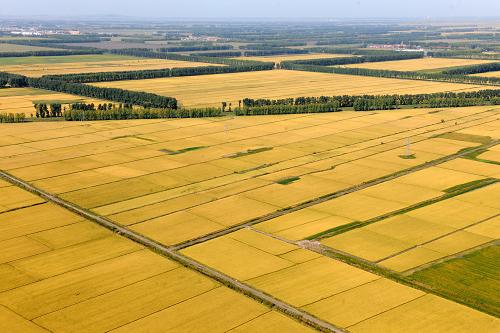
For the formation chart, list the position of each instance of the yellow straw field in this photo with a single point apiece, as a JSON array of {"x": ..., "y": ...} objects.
[
  {"x": 89, "y": 64},
  {"x": 60, "y": 273},
  {"x": 211, "y": 90}
]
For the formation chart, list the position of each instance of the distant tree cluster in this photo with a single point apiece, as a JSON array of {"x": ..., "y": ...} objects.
[
  {"x": 332, "y": 106},
  {"x": 226, "y": 54},
  {"x": 12, "y": 117},
  {"x": 271, "y": 52},
  {"x": 89, "y": 112},
  {"x": 393, "y": 74},
  {"x": 12, "y": 80},
  {"x": 271, "y": 45},
  {"x": 195, "y": 48},
  {"x": 474, "y": 69},
  {"x": 52, "y": 110},
  {"x": 376, "y": 102},
  {"x": 361, "y": 59},
  {"x": 143, "y": 99}
]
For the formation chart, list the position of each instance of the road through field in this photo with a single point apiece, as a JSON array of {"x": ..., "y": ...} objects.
[
  {"x": 334, "y": 195},
  {"x": 173, "y": 254}
]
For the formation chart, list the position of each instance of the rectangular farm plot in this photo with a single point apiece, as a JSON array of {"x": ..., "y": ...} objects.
[
  {"x": 431, "y": 314},
  {"x": 360, "y": 303},
  {"x": 472, "y": 276},
  {"x": 207, "y": 312},
  {"x": 211, "y": 90},
  {"x": 419, "y": 64},
  {"x": 22, "y": 100},
  {"x": 227, "y": 255},
  {"x": 71, "y": 275},
  {"x": 40, "y": 66}
]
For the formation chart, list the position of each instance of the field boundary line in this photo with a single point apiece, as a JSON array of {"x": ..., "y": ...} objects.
[
  {"x": 435, "y": 239},
  {"x": 334, "y": 195},
  {"x": 171, "y": 253},
  {"x": 494, "y": 242}
]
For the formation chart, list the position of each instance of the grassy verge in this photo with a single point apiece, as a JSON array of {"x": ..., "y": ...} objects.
[{"x": 182, "y": 151}]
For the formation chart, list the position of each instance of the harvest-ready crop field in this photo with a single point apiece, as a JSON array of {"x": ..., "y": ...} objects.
[
  {"x": 319, "y": 211},
  {"x": 211, "y": 90},
  {"x": 262, "y": 194},
  {"x": 22, "y": 100},
  {"x": 39, "y": 66},
  {"x": 420, "y": 64},
  {"x": 62, "y": 273}
]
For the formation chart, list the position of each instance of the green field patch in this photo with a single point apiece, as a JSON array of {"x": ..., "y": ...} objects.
[
  {"x": 181, "y": 151},
  {"x": 58, "y": 101},
  {"x": 465, "y": 137},
  {"x": 408, "y": 157},
  {"x": 473, "y": 278},
  {"x": 249, "y": 152},
  {"x": 286, "y": 181},
  {"x": 462, "y": 188},
  {"x": 475, "y": 157}
]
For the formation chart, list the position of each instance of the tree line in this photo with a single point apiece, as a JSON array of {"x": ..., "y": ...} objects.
[
  {"x": 146, "y": 100},
  {"x": 292, "y": 65},
  {"x": 157, "y": 73},
  {"x": 332, "y": 106},
  {"x": 271, "y": 45},
  {"x": 226, "y": 54},
  {"x": 127, "y": 112},
  {"x": 271, "y": 52},
  {"x": 464, "y": 54},
  {"x": 12, "y": 117},
  {"x": 372, "y": 102},
  {"x": 474, "y": 69},
  {"x": 195, "y": 48}
]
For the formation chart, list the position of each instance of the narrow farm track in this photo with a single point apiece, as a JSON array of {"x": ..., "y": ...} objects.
[
  {"x": 334, "y": 195},
  {"x": 183, "y": 260}
]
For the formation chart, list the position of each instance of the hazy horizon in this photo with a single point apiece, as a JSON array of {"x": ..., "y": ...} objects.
[{"x": 232, "y": 9}]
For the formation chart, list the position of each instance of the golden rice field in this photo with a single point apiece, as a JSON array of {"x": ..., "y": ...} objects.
[
  {"x": 175, "y": 180},
  {"x": 61, "y": 273},
  {"x": 39, "y": 66},
  {"x": 127, "y": 172},
  {"x": 419, "y": 64},
  {"x": 293, "y": 57},
  {"x": 211, "y": 90},
  {"x": 22, "y": 100},
  {"x": 330, "y": 289}
]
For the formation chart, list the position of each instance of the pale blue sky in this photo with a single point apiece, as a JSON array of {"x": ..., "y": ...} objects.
[{"x": 255, "y": 8}]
